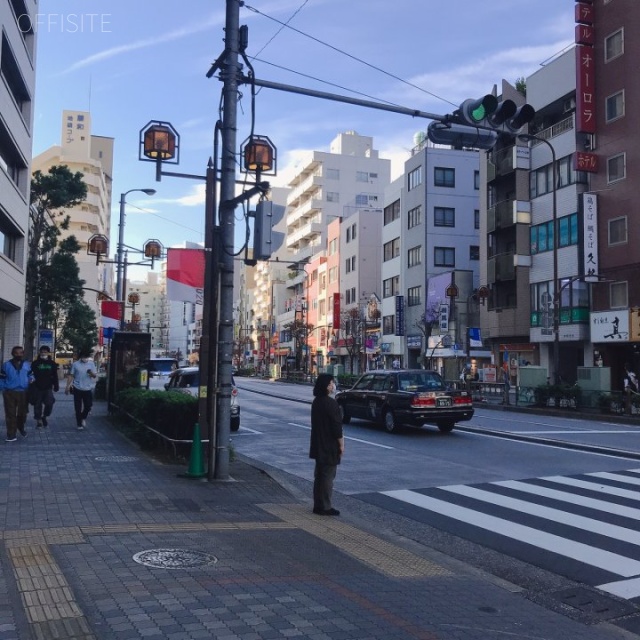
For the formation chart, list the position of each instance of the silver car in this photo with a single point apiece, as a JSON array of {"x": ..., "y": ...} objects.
[{"x": 187, "y": 380}]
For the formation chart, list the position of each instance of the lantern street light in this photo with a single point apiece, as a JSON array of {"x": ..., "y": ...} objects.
[
  {"x": 159, "y": 143},
  {"x": 119, "y": 266}
]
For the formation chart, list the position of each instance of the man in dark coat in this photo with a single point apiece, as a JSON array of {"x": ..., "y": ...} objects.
[
  {"x": 327, "y": 443},
  {"x": 44, "y": 370}
]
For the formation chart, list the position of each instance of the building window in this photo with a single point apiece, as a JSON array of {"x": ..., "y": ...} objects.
[
  {"x": 333, "y": 196},
  {"x": 444, "y": 257},
  {"x": 390, "y": 287},
  {"x": 474, "y": 252},
  {"x": 616, "y": 168},
  {"x": 476, "y": 180},
  {"x": 350, "y": 264},
  {"x": 568, "y": 230},
  {"x": 389, "y": 325},
  {"x": 414, "y": 179},
  {"x": 476, "y": 219},
  {"x": 362, "y": 176},
  {"x": 414, "y": 217},
  {"x": 392, "y": 212},
  {"x": 618, "y": 297},
  {"x": 350, "y": 295},
  {"x": 413, "y": 296},
  {"x": 362, "y": 200},
  {"x": 333, "y": 246},
  {"x": 414, "y": 256},
  {"x": 333, "y": 274},
  {"x": 353, "y": 231},
  {"x": 12, "y": 75},
  {"x": 444, "y": 177},
  {"x": 614, "y": 45},
  {"x": 444, "y": 217},
  {"x": 391, "y": 249},
  {"x": 615, "y": 106},
  {"x": 8, "y": 239},
  {"x": 332, "y": 174},
  {"x": 618, "y": 230},
  {"x": 541, "y": 180}
]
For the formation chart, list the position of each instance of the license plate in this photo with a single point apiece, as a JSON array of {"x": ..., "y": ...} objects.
[{"x": 443, "y": 402}]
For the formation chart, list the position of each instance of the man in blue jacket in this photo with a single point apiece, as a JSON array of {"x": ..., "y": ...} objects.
[{"x": 14, "y": 382}]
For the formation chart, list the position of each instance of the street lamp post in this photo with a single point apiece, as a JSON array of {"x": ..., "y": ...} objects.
[
  {"x": 119, "y": 274},
  {"x": 528, "y": 137}
]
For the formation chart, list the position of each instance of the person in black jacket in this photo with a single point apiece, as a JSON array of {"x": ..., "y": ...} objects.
[
  {"x": 44, "y": 370},
  {"x": 327, "y": 444}
]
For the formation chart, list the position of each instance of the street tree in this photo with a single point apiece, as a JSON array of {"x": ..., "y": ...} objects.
[
  {"x": 425, "y": 324},
  {"x": 299, "y": 331},
  {"x": 51, "y": 193},
  {"x": 79, "y": 331}
]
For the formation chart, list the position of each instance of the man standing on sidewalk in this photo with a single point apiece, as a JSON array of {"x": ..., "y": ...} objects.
[
  {"x": 15, "y": 383},
  {"x": 45, "y": 380},
  {"x": 81, "y": 379}
]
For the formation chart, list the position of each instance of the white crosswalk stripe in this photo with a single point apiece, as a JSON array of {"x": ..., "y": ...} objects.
[{"x": 591, "y": 520}]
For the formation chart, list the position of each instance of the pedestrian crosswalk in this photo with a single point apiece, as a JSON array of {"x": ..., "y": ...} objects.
[{"x": 586, "y": 527}]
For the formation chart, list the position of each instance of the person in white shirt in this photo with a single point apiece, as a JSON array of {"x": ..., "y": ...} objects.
[{"x": 80, "y": 382}]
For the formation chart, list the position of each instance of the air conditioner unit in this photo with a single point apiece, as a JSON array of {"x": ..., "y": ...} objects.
[{"x": 568, "y": 105}]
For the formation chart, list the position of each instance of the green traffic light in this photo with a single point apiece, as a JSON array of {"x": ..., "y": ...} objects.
[{"x": 479, "y": 113}]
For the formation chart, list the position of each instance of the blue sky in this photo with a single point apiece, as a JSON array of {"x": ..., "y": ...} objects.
[{"x": 136, "y": 61}]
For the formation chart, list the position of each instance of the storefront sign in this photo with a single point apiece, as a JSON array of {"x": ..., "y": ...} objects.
[
  {"x": 399, "y": 315},
  {"x": 585, "y": 69},
  {"x": 590, "y": 236},
  {"x": 610, "y": 326}
]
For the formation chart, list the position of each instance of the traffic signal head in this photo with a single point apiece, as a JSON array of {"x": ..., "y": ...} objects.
[
  {"x": 459, "y": 136},
  {"x": 475, "y": 112},
  {"x": 265, "y": 239},
  {"x": 488, "y": 113}
]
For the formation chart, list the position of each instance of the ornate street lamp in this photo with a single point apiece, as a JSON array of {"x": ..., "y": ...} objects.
[{"x": 259, "y": 155}]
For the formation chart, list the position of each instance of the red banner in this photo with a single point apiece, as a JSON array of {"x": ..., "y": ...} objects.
[
  {"x": 583, "y": 161},
  {"x": 336, "y": 311},
  {"x": 585, "y": 68}
]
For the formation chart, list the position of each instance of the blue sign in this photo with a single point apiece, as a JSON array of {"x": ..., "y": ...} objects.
[
  {"x": 45, "y": 338},
  {"x": 107, "y": 333}
]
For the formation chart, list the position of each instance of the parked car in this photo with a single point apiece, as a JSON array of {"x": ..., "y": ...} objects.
[
  {"x": 187, "y": 380},
  {"x": 405, "y": 397},
  {"x": 161, "y": 367}
]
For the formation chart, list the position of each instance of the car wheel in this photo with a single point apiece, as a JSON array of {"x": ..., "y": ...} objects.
[
  {"x": 235, "y": 423},
  {"x": 446, "y": 426},
  {"x": 346, "y": 418},
  {"x": 390, "y": 421}
]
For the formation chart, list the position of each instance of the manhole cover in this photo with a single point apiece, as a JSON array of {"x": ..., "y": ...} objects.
[
  {"x": 174, "y": 558},
  {"x": 116, "y": 458}
]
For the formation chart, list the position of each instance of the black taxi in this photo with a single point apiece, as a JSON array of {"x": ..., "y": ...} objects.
[{"x": 405, "y": 397}]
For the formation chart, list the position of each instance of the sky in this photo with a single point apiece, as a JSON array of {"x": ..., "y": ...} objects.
[{"x": 132, "y": 62}]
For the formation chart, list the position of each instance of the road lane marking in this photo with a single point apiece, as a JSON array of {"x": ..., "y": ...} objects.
[
  {"x": 592, "y": 486},
  {"x": 606, "y": 529},
  {"x": 587, "y": 554},
  {"x": 573, "y": 498},
  {"x": 373, "y": 444}
]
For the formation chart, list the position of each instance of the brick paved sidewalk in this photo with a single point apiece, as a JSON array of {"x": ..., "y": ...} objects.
[{"x": 237, "y": 560}]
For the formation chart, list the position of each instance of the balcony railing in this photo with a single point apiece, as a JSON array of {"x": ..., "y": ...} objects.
[
  {"x": 501, "y": 268},
  {"x": 555, "y": 130}
]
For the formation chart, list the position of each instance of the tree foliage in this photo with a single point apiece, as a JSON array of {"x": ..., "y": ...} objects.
[
  {"x": 79, "y": 331},
  {"x": 53, "y": 282},
  {"x": 521, "y": 86}
]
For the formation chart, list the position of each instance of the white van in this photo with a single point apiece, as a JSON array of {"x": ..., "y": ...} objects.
[{"x": 161, "y": 367}]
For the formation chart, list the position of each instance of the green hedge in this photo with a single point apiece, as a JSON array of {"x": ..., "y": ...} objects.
[{"x": 174, "y": 415}]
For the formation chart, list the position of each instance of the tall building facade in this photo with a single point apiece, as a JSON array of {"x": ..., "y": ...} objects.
[
  {"x": 17, "y": 88},
  {"x": 615, "y": 320},
  {"x": 93, "y": 157},
  {"x": 430, "y": 227}
]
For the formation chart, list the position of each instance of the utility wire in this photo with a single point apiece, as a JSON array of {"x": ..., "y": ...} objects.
[
  {"x": 331, "y": 84},
  {"x": 349, "y": 55},
  {"x": 277, "y": 33},
  {"x": 151, "y": 213}
]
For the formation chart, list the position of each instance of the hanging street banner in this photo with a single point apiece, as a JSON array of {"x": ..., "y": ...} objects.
[{"x": 185, "y": 275}]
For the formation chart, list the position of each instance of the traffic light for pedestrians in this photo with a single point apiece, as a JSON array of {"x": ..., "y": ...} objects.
[{"x": 265, "y": 240}]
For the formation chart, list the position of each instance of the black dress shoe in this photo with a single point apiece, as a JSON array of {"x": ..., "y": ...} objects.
[{"x": 326, "y": 512}]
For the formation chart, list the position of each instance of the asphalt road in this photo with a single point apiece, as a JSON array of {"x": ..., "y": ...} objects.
[{"x": 504, "y": 481}]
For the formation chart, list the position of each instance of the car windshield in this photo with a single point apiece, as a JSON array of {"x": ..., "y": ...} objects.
[
  {"x": 420, "y": 381},
  {"x": 165, "y": 365}
]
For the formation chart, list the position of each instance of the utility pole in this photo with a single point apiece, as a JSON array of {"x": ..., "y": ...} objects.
[{"x": 229, "y": 74}]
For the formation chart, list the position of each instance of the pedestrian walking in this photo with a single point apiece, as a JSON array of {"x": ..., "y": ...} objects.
[
  {"x": 80, "y": 382},
  {"x": 44, "y": 370},
  {"x": 630, "y": 379},
  {"x": 327, "y": 443},
  {"x": 14, "y": 381}
]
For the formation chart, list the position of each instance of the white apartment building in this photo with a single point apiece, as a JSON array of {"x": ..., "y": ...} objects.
[
  {"x": 150, "y": 308},
  {"x": 93, "y": 157},
  {"x": 349, "y": 174},
  {"x": 17, "y": 88},
  {"x": 430, "y": 227}
]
